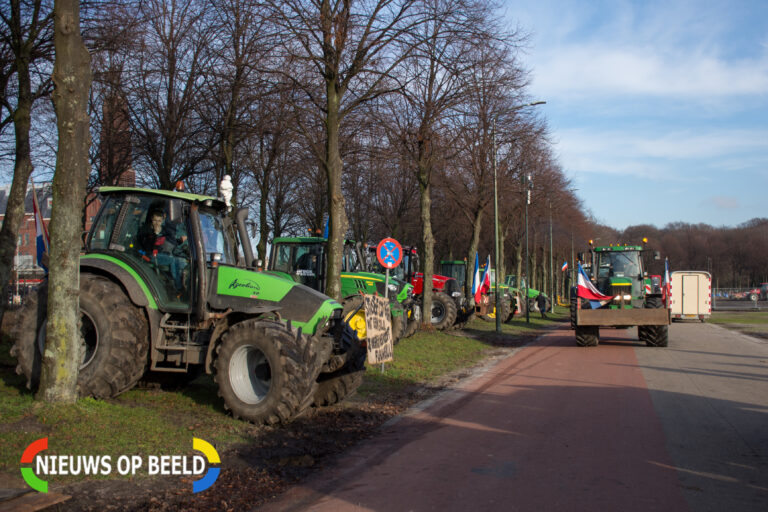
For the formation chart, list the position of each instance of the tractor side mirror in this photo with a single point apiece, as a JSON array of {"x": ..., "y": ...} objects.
[
  {"x": 257, "y": 263},
  {"x": 580, "y": 256},
  {"x": 656, "y": 255}
]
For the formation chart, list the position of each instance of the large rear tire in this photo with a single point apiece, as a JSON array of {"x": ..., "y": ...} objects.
[
  {"x": 443, "y": 311},
  {"x": 266, "y": 371},
  {"x": 587, "y": 335},
  {"x": 113, "y": 333}
]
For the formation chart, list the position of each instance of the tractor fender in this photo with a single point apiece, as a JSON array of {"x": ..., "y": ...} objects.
[{"x": 109, "y": 268}]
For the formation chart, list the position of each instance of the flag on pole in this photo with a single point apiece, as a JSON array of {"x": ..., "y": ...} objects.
[
  {"x": 586, "y": 290},
  {"x": 485, "y": 281},
  {"x": 476, "y": 276},
  {"x": 666, "y": 287},
  {"x": 42, "y": 239},
  {"x": 564, "y": 267}
]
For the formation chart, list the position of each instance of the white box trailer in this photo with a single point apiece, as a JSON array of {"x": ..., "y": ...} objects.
[{"x": 691, "y": 295}]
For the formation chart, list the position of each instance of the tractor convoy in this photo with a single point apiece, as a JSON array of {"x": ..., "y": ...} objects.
[{"x": 169, "y": 288}]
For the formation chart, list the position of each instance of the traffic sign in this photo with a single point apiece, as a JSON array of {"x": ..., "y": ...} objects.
[{"x": 389, "y": 253}]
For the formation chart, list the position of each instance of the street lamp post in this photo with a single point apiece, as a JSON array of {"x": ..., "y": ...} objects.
[
  {"x": 496, "y": 233},
  {"x": 496, "y": 227},
  {"x": 528, "y": 187}
]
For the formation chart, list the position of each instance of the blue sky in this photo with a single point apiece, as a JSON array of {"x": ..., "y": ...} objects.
[{"x": 658, "y": 109}]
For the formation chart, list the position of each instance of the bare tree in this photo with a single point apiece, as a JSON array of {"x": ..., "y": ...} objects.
[
  {"x": 27, "y": 39},
  {"x": 351, "y": 47},
  {"x": 164, "y": 93},
  {"x": 72, "y": 81}
]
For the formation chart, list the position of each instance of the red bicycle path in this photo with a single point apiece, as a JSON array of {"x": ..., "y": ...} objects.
[{"x": 552, "y": 427}]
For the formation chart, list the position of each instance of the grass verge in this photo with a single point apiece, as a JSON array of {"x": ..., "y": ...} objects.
[
  {"x": 156, "y": 422},
  {"x": 752, "y": 323}
]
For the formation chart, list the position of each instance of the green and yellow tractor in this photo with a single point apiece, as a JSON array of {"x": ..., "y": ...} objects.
[{"x": 169, "y": 287}]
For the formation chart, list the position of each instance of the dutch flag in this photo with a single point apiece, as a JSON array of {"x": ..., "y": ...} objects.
[
  {"x": 586, "y": 290},
  {"x": 42, "y": 232},
  {"x": 476, "y": 276}
]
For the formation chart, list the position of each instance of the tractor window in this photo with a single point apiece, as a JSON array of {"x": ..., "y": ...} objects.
[
  {"x": 214, "y": 240},
  {"x": 618, "y": 264},
  {"x": 283, "y": 260},
  {"x": 306, "y": 262},
  {"x": 148, "y": 232},
  {"x": 102, "y": 231}
]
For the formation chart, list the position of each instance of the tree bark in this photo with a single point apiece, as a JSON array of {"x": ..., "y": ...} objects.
[
  {"x": 72, "y": 83},
  {"x": 428, "y": 240},
  {"x": 338, "y": 216}
]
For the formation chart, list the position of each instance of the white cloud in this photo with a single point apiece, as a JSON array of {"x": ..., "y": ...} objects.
[
  {"x": 669, "y": 156},
  {"x": 605, "y": 70}
]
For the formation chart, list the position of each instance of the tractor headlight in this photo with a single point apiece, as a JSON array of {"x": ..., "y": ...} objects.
[{"x": 392, "y": 287}]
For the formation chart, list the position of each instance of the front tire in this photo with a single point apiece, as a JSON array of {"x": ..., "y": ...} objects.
[
  {"x": 266, "y": 371},
  {"x": 654, "y": 335},
  {"x": 587, "y": 336},
  {"x": 113, "y": 333}
]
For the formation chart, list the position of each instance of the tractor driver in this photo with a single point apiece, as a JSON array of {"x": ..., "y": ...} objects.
[{"x": 158, "y": 239}]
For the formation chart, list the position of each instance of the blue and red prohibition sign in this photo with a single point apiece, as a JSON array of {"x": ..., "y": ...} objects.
[{"x": 389, "y": 253}]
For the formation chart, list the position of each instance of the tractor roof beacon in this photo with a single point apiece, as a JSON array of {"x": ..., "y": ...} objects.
[
  {"x": 629, "y": 299},
  {"x": 168, "y": 287}
]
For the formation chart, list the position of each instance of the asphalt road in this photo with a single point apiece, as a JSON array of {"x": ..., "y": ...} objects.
[{"x": 558, "y": 427}]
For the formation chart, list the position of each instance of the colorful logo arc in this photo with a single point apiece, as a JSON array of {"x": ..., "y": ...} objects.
[
  {"x": 213, "y": 458},
  {"x": 27, "y": 458}
]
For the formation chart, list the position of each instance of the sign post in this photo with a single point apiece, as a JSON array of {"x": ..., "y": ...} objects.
[{"x": 389, "y": 252}]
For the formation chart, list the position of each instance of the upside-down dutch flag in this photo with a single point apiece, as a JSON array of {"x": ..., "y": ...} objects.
[
  {"x": 42, "y": 239},
  {"x": 564, "y": 267},
  {"x": 476, "y": 276},
  {"x": 586, "y": 290},
  {"x": 485, "y": 281}
]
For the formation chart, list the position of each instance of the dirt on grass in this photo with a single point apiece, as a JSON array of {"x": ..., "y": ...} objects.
[{"x": 276, "y": 458}]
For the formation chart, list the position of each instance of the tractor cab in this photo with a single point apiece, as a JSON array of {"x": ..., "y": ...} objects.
[
  {"x": 455, "y": 269},
  {"x": 158, "y": 236},
  {"x": 618, "y": 272}
]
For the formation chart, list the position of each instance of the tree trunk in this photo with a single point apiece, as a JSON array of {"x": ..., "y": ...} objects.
[
  {"x": 337, "y": 215},
  {"x": 428, "y": 240},
  {"x": 72, "y": 83}
]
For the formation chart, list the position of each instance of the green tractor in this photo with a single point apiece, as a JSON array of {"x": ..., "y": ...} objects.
[
  {"x": 617, "y": 293},
  {"x": 510, "y": 285},
  {"x": 168, "y": 288},
  {"x": 486, "y": 309},
  {"x": 303, "y": 259}
]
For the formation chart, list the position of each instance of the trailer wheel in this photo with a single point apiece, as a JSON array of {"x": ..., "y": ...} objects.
[{"x": 587, "y": 336}]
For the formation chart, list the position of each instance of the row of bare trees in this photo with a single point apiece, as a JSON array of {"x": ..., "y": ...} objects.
[{"x": 389, "y": 117}]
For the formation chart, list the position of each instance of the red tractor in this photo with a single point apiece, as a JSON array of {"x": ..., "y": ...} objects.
[{"x": 449, "y": 306}]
